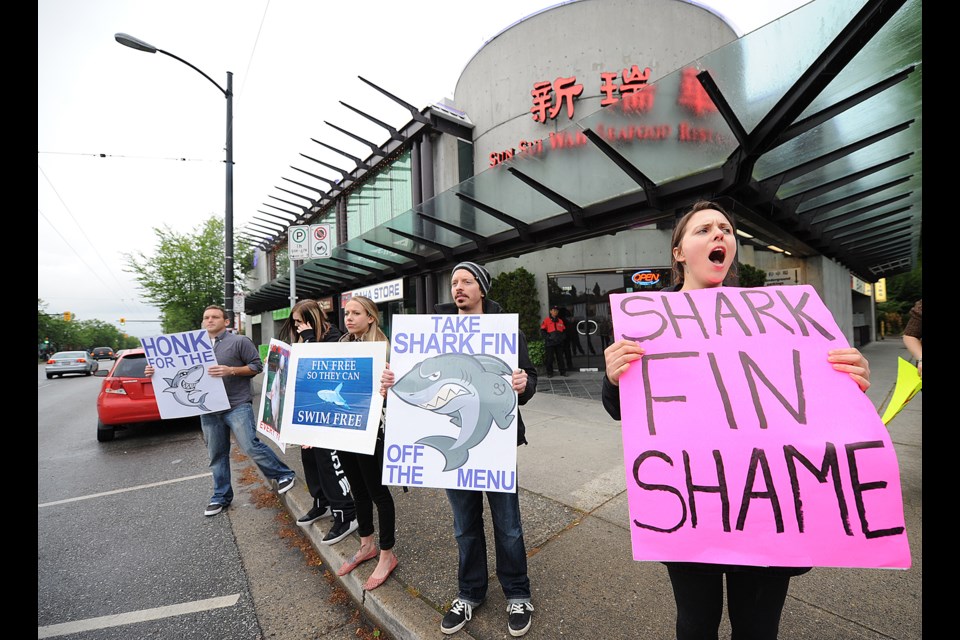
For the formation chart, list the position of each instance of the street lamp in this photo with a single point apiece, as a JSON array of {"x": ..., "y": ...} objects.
[{"x": 140, "y": 45}]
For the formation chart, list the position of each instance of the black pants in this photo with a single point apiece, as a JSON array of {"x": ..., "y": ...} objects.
[
  {"x": 365, "y": 475},
  {"x": 754, "y": 600},
  {"x": 554, "y": 351},
  {"x": 568, "y": 353},
  {"x": 327, "y": 482}
]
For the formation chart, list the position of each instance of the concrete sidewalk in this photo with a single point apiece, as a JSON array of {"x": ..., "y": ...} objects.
[{"x": 584, "y": 580}]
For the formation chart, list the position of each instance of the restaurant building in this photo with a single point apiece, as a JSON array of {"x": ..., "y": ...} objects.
[{"x": 577, "y": 135}]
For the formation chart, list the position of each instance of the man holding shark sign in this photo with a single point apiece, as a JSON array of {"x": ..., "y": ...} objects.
[
  {"x": 210, "y": 373},
  {"x": 459, "y": 379}
]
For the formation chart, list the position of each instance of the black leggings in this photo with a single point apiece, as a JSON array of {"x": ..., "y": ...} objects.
[
  {"x": 364, "y": 473},
  {"x": 754, "y": 599}
]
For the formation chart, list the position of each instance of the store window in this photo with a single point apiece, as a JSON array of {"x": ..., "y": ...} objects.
[{"x": 381, "y": 198}]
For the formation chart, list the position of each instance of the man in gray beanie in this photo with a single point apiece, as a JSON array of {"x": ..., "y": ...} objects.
[{"x": 469, "y": 284}]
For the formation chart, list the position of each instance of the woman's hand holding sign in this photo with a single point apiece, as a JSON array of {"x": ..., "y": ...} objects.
[
  {"x": 851, "y": 361},
  {"x": 618, "y": 357},
  {"x": 386, "y": 380}
]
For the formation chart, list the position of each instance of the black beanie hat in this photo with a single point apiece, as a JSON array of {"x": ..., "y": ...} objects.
[{"x": 481, "y": 274}]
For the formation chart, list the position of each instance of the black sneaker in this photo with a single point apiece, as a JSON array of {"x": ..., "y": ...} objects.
[
  {"x": 458, "y": 616},
  {"x": 313, "y": 515},
  {"x": 286, "y": 484},
  {"x": 339, "y": 531},
  {"x": 520, "y": 618},
  {"x": 214, "y": 508}
]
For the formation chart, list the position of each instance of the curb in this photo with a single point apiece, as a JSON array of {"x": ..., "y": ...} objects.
[{"x": 392, "y": 606}]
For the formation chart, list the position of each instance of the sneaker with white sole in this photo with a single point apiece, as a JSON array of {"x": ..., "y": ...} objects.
[
  {"x": 458, "y": 616},
  {"x": 520, "y": 618},
  {"x": 340, "y": 530},
  {"x": 214, "y": 508},
  {"x": 286, "y": 484}
]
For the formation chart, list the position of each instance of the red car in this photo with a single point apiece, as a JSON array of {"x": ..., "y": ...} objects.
[{"x": 126, "y": 395}]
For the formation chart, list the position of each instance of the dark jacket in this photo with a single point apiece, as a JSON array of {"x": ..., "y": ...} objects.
[
  {"x": 523, "y": 360},
  {"x": 332, "y": 335}
]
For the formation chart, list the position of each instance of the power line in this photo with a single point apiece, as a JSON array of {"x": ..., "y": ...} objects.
[
  {"x": 67, "y": 242},
  {"x": 246, "y": 72},
  {"x": 125, "y": 157}
]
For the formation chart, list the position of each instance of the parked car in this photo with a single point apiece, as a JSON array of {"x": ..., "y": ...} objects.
[
  {"x": 100, "y": 353},
  {"x": 70, "y": 362},
  {"x": 126, "y": 395}
]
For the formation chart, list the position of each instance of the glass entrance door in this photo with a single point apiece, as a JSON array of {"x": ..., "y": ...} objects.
[{"x": 585, "y": 309}]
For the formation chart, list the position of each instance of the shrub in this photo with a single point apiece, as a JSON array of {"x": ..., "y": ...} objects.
[
  {"x": 536, "y": 349},
  {"x": 751, "y": 276},
  {"x": 516, "y": 291}
]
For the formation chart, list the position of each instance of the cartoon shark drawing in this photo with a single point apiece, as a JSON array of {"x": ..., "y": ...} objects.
[
  {"x": 183, "y": 386},
  {"x": 333, "y": 396},
  {"x": 471, "y": 389}
]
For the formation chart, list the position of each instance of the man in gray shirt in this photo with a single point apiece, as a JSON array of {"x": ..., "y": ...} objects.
[{"x": 238, "y": 361}]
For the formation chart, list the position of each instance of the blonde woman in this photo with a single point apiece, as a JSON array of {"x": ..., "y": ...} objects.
[{"x": 362, "y": 321}]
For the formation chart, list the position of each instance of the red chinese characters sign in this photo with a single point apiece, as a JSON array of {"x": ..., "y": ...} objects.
[
  {"x": 629, "y": 92},
  {"x": 549, "y": 98}
]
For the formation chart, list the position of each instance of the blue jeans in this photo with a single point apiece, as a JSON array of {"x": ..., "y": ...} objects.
[
  {"x": 508, "y": 537},
  {"x": 216, "y": 431}
]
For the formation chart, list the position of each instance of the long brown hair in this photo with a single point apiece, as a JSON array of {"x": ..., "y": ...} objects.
[
  {"x": 313, "y": 314},
  {"x": 373, "y": 333},
  {"x": 681, "y": 227}
]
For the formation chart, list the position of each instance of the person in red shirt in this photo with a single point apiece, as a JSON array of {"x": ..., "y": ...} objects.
[{"x": 552, "y": 329}]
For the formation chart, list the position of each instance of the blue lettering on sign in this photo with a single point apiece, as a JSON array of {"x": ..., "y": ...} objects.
[{"x": 486, "y": 479}]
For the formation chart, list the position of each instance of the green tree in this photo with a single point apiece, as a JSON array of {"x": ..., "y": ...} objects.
[
  {"x": 751, "y": 276},
  {"x": 516, "y": 291},
  {"x": 184, "y": 275},
  {"x": 61, "y": 335},
  {"x": 97, "y": 333}
]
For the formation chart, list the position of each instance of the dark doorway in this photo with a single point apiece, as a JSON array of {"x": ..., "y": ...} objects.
[{"x": 584, "y": 304}]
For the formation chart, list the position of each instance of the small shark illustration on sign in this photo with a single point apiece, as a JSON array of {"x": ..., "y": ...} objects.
[
  {"x": 332, "y": 396},
  {"x": 183, "y": 386},
  {"x": 469, "y": 389}
]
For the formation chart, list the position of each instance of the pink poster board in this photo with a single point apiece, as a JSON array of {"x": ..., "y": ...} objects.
[{"x": 742, "y": 444}]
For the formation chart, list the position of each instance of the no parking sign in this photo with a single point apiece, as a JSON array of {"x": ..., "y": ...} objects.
[{"x": 320, "y": 241}]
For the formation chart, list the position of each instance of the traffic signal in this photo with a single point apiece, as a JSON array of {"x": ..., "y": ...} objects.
[
  {"x": 67, "y": 316},
  {"x": 123, "y": 321}
]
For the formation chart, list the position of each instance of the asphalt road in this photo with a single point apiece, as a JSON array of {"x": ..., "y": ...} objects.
[{"x": 124, "y": 551}]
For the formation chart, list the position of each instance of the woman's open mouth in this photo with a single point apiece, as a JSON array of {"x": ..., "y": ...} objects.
[{"x": 718, "y": 255}]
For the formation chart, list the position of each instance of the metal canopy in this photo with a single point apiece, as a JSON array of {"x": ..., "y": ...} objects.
[{"x": 809, "y": 128}]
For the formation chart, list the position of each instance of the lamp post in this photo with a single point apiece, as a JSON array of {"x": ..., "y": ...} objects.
[{"x": 140, "y": 45}]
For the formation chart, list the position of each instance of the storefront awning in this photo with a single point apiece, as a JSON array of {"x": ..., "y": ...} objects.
[{"x": 809, "y": 128}]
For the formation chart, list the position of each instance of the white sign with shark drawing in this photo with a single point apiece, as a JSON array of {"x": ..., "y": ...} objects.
[
  {"x": 332, "y": 397},
  {"x": 180, "y": 382},
  {"x": 452, "y": 422}
]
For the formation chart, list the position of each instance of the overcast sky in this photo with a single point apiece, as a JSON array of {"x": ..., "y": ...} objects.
[{"x": 128, "y": 141}]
